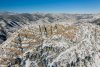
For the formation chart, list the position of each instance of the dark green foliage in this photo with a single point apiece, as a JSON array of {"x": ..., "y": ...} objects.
[
  {"x": 88, "y": 58},
  {"x": 18, "y": 61},
  {"x": 68, "y": 65}
]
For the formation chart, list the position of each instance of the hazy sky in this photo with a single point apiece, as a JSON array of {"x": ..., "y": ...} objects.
[{"x": 55, "y": 6}]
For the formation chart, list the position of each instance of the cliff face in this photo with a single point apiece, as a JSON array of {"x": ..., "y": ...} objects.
[{"x": 53, "y": 45}]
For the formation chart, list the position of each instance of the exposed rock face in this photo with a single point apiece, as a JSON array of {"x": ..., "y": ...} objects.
[
  {"x": 97, "y": 21},
  {"x": 53, "y": 45}
]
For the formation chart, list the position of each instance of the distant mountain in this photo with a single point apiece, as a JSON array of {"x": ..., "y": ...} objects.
[{"x": 7, "y": 13}]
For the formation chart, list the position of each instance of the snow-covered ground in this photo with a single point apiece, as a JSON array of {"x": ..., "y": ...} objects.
[{"x": 54, "y": 45}]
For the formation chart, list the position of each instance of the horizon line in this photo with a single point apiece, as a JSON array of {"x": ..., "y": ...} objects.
[{"x": 50, "y": 12}]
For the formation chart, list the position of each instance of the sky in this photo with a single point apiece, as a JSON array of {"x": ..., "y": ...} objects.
[{"x": 50, "y": 6}]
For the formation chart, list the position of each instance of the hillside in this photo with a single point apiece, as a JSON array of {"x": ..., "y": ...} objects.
[
  {"x": 52, "y": 45},
  {"x": 10, "y": 22}
]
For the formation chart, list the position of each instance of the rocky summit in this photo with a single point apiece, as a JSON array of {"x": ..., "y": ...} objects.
[{"x": 49, "y": 40}]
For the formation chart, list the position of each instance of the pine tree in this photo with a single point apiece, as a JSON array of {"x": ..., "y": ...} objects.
[
  {"x": 40, "y": 30},
  {"x": 20, "y": 42},
  {"x": 45, "y": 31}
]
